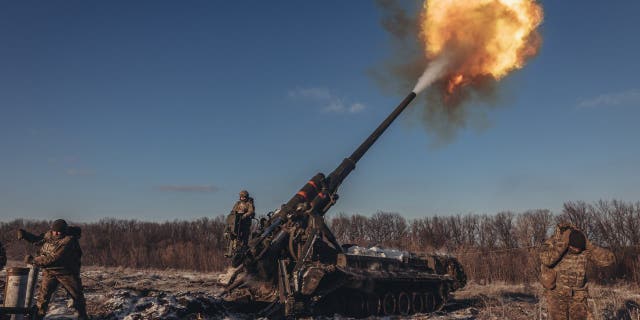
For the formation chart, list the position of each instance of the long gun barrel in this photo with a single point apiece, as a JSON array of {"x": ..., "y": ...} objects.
[
  {"x": 319, "y": 189},
  {"x": 324, "y": 187},
  {"x": 311, "y": 190},
  {"x": 348, "y": 164},
  {"x": 298, "y": 266}
]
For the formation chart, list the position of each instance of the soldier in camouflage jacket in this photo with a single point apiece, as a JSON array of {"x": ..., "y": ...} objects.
[
  {"x": 59, "y": 258},
  {"x": 245, "y": 210},
  {"x": 564, "y": 258}
]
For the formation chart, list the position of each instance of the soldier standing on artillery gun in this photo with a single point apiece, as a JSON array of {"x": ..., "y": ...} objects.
[
  {"x": 564, "y": 259},
  {"x": 60, "y": 258},
  {"x": 239, "y": 223}
]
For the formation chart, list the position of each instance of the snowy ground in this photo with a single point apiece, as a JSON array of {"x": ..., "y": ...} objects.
[{"x": 118, "y": 293}]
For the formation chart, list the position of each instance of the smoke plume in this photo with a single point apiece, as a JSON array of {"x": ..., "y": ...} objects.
[
  {"x": 432, "y": 73},
  {"x": 458, "y": 50}
]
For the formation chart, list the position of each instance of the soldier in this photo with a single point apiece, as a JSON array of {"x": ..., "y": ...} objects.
[
  {"x": 239, "y": 222},
  {"x": 3, "y": 256},
  {"x": 60, "y": 258},
  {"x": 564, "y": 258}
]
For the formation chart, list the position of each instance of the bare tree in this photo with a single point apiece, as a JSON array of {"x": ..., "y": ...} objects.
[
  {"x": 386, "y": 228},
  {"x": 490, "y": 247},
  {"x": 533, "y": 226},
  {"x": 578, "y": 214}
]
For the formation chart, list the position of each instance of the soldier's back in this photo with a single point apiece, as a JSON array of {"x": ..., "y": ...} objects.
[{"x": 572, "y": 270}]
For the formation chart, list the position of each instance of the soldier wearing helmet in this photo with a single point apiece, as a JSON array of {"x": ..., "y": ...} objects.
[
  {"x": 565, "y": 257},
  {"x": 239, "y": 222}
]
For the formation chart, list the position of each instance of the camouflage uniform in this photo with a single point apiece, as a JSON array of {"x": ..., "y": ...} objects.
[
  {"x": 239, "y": 223},
  {"x": 245, "y": 211},
  {"x": 564, "y": 274},
  {"x": 3, "y": 256},
  {"x": 60, "y": 259}
]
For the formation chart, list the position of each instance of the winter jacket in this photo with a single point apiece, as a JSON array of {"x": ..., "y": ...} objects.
[{"x": 60, "y": 255}]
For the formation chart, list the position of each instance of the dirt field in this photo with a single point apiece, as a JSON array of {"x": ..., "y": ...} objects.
[{"x": 119, "y": 293}]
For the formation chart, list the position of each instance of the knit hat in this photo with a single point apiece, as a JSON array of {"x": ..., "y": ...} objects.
[
  {"x": 577, "y": 240},
  {"x": 59, "y": 225}
]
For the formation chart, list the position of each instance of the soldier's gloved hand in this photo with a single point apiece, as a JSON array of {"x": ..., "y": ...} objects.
[
  {"x": 21, "y": 233},
  {"x": 28, "y": 259}
]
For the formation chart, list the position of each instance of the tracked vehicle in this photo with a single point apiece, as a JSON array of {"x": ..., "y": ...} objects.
[{"x": 294, "y": 266}]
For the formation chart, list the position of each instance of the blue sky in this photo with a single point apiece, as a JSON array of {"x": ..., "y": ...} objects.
[{"x": 161, "y": 110}]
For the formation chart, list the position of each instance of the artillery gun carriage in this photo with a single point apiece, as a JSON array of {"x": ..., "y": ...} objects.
[{"x": 294, "y": 266}]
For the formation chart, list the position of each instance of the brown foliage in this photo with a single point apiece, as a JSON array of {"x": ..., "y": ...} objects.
[
  {"x": 194, "y": 245},
  {"x": 503, "y": 247},
  {"x": 500, "y": 247}
]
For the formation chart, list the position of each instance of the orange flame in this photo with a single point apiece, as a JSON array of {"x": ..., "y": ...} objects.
[
  {"x": 454, "y": 82},
  {"x": 484, "y": 37}
]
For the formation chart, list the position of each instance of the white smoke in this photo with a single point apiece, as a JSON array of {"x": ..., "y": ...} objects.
[{"x": 432, "y": 73}]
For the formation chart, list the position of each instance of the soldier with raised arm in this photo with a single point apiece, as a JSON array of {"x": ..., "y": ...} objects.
[
  {"x": 565, "y": 257},
  {"x": 59, "y": 258}
]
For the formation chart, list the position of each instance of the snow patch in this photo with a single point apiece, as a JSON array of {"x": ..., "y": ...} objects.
[{"x": 378, "y": 252}]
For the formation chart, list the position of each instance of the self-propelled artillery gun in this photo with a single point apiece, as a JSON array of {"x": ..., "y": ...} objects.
[{"x": 294, "y": 265}]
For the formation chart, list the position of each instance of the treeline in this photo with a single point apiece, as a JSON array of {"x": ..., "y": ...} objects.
[
  {"x": 499, "y": 247},
  {"x": 490, "y": 247},
  {"x": 191, "y": 245},
  {"x": 504, "y": 246}
]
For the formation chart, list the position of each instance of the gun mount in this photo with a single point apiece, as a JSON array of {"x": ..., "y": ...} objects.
[{"x": 297, "y": 267}]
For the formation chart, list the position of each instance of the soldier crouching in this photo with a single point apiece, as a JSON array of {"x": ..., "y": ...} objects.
[
  {"x": 59, "y": 258},
  {"x": 564, "y": 258}
]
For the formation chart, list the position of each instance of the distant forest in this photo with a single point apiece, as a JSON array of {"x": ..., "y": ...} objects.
[{"x": 498, "y": 247}]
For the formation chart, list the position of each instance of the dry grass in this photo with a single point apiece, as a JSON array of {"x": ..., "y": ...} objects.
[
  {"x": 618, "y": 302},
  {"x": 507, "y": 301},
  {"x": 476, "y": 301}
]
